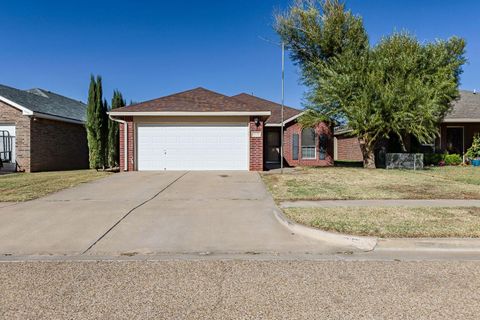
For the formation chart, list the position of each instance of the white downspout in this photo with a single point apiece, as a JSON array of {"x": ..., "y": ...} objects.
[{"x": 125, "y": 141}]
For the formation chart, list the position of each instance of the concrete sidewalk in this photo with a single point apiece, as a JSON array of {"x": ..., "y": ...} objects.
[
  {"x": 436, "y": 203},
  {"x": 7, "y": 204}
]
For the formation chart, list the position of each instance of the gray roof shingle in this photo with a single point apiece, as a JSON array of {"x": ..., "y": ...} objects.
[
  {"x": 466, "y": 107},
  {"x": 46, "y": 102}
]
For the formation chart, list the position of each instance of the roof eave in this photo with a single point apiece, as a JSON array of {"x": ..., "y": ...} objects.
[
  {"x": 190, "y": 113},
  {"x": 31, "y": 113},
  {"x": 25, "y": 111},
  {"x": 284, "y": 122},
  {"x": 56, "y": 118},
  {"x": 467, "y": 120}
]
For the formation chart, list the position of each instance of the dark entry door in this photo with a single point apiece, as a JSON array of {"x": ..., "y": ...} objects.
[
  {"x": 273, "y": 147},
  {"x": 455, "y": 140}
]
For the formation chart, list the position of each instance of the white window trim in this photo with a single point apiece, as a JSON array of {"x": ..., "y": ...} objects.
[
  {"x": 307, "y": 158},
  {"x": 314, "y": 146}
]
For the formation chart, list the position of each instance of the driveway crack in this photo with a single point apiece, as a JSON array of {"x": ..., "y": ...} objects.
[{"x": 132, "y": 210}]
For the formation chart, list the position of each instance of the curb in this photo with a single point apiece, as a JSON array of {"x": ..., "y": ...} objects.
[
  {"x": 362, "y": 243},
  {"x": 430, "y": 244}
]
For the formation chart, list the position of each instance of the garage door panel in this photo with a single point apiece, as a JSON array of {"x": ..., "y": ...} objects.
[{"x": 192, "y": 147}]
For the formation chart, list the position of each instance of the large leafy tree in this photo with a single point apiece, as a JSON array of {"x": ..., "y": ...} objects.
[
  {"x": 97, "y": 124},
  {"x": 398, "y": 87},
  {"x": 113, "y": 131}
]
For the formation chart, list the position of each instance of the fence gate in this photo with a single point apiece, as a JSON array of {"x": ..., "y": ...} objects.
[{"x": 6, "y": 146}]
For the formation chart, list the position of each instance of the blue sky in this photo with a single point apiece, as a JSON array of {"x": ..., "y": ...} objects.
[{"x": 147, "y": 49}]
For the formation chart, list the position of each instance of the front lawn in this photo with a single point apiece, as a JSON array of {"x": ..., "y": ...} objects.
[
  {"x": 27, "y": 186},
  {"x": 358, "y": 183},
  {"x": 392, "y": 222}
]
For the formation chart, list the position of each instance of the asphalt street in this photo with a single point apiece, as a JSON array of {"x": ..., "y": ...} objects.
[{"x": 240, "y": 289}]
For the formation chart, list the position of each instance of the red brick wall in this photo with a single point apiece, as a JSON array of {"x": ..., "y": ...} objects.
[
  {"x": 321, "y": 128},
  {"x": 43, "y": 145},
  {"x": 58, "y": 145},
  {"x": 348, "y": 148},
  {"x": 256, "y": 146},
  {"x": 130, "y": 145},
  {"x": 10, "y": 115}
]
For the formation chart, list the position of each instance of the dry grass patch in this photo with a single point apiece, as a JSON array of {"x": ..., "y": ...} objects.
[
  {"x": 465, "y": 174},
  {"x": 359, "y": 183},
  {"x": 27, "y": 186},
  {"x": 392, "y": 222}
]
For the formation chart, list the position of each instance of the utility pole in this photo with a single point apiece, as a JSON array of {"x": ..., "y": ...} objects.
[
  {"x": 283, "y": 100},
  {"x": 283, "y": 103}
]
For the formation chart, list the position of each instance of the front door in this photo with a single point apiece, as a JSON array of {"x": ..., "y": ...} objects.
[
  {"x": 273, "y": 147},
  {"x": 455, "y": 140}
]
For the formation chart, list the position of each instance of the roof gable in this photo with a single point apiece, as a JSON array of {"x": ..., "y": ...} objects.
[
  {"x": 195, "y": 100},
  {"x": 43, "y": 102},
  {"x": 274, "y": 108}
]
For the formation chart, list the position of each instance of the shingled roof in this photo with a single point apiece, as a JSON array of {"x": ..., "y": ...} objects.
[
  {"x": 275, "y": 108},
  {"x": 195, "y": 100},
  {"x": 43, "y": 102},
  {"x": 465, "y": 109}
]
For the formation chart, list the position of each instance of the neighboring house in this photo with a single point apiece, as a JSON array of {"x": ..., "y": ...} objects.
[
  {"x": 203, "y": 130},
  {"x": 346, "y": 146},
  {"x": 456, "y": 132},
  {"x": 41, "y": 131}
]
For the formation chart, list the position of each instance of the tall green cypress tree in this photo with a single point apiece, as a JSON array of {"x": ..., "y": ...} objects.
[
  {"x": 114, "y": 133},
  {"x": 105, "y": 133},
  {"x": 102, "y": 125},
  {"x": 91, "y": 124},
  {"x": 97, "y": 125}
]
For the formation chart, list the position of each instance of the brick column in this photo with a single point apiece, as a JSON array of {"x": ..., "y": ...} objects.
[
  {"x": 130, "y": 145},
  {"x": 256, "y": 146}
]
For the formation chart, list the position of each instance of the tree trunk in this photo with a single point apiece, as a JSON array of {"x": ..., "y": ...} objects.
[
  {"x": 368, "y": 153},
  {"x": 402, "y": 142}
]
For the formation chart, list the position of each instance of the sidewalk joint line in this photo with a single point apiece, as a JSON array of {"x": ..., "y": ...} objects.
[{"x": 131, "y": 210}]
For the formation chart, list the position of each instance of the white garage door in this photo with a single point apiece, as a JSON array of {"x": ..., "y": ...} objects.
[{"x": 192, "y": 147}]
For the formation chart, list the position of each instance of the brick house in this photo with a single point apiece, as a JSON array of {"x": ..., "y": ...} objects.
[
  {"x": 347, "y": 147},
  {"x": 456, "y": 133},
  {"x": 41, "y": 131},
  {"x": 203, "y": 130}
]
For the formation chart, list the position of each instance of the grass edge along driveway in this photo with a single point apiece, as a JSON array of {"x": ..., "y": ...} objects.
[
  {"x": 16, "y": 187},
  {"x": 358, "y": 184},
  {"x": 333, "y": 183},
  {"x": 392, "y": 222}
]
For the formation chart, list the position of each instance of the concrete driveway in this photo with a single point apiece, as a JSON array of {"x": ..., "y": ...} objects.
[{"x": 153, "y": 213}]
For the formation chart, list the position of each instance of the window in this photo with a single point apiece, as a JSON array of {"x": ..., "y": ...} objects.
[{"x": 308, "y": 143}]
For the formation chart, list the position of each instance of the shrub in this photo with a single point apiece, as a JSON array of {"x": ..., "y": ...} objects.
[
  {"x": 433, "y": 158},
  {"x": 453, "y": 159},
  {"x": 474, "y": 151}
]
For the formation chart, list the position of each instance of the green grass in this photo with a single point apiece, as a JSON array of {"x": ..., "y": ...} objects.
[
  {"x": 358, "y": 183},
  {"x": 27, "y": 186},
  {"x": 392, "y": 222}
]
